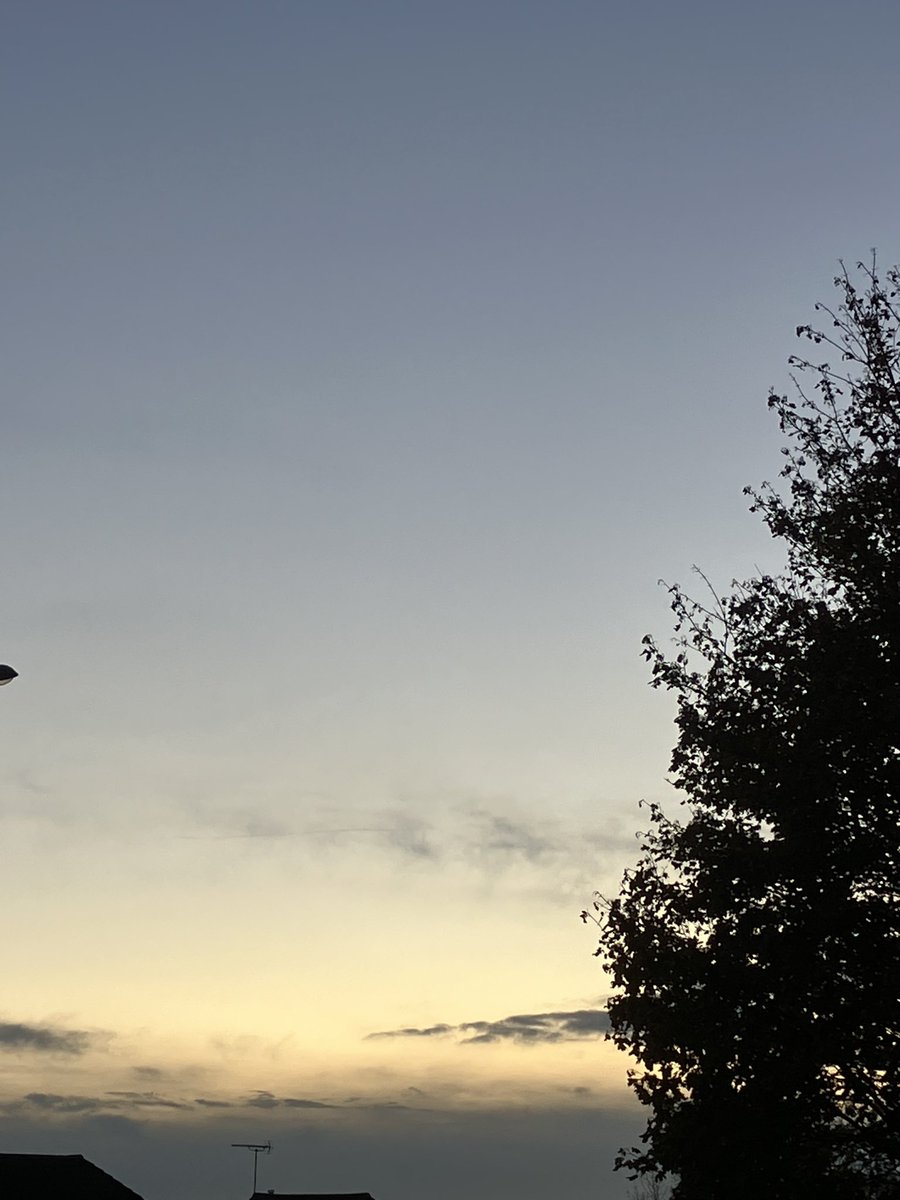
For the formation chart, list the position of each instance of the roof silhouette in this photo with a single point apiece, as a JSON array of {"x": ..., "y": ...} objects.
[
  {"x": 67, "y": 1176},
  {"x": 311, "y": 1196}
]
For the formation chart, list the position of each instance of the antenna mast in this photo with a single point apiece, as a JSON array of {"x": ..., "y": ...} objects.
[{"x": 257, "y": 1148}]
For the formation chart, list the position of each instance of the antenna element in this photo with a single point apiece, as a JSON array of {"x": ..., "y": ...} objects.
[{"x": 257, "y": 1149}]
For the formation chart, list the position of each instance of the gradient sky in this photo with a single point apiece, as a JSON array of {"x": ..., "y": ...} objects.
[{"x": 366, "y": 364}]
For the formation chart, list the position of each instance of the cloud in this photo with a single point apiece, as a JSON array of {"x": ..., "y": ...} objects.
[
  {"x": 388, "y": 1106},
  {"x": 428, "y": 1031},
  {"x": 63, "y": 1104},
  {"x": 501, "y": 836},
  {"x": 106, "y": 1102},
  {"x": 145, "y": 1100},
  {"x": 47, "y": 1039},
  {"x": 464, "y": 833},
  {"x": 247, "y": 1045},
  {"x": 292, "y": 1102},
  {"x": 256, "y": 826},
  {"x": 263, "y": 1099},
  {"x": 528, "y": 1029},
  {"x": 411, "y": 837},
  {"x": 392, "y": 829},
  {"x": 490, "y": 837}
]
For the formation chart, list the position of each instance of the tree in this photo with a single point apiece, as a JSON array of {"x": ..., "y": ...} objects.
[
  {"x": 753, "y": 949},
  {"x": 649, "y": 1188}
]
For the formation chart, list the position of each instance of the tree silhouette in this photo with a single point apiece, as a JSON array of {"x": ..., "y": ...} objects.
[
  {"x": 754, "y": 947},
  {"x": 649, "y": 1188}
]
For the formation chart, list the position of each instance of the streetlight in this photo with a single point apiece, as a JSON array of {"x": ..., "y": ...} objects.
[{"x": 7, "y": 674}]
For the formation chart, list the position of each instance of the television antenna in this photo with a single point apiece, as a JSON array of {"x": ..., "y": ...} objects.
[{"x": 256, "y": 1148}]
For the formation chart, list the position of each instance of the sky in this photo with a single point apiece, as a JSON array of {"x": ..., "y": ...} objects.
[{"x": 367, "y": 364}]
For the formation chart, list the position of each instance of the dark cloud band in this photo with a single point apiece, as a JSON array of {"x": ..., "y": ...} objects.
[
  {"x": 43, "y": 1038},
  {"x": 523, "y": 1028}
]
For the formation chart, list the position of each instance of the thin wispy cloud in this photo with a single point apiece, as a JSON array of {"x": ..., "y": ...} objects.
[
  {"x": 105, "y": 1102},
  {"x": 142, "y": 1072},
  {"x": 264, "y": 1099},
  {"x": 493, "y": 835},
  {"x": 488, "y": 839},
  {"x": 146, "y": 1100},
  {"x": 137, "y": 1102},
  {"x": 529, "y": 1029},
  {"x": 399, "y": 830},
  {"x": 52, "y": 1102}
]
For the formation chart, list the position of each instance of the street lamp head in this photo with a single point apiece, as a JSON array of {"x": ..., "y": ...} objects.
[{"x": 7, "y": 674}]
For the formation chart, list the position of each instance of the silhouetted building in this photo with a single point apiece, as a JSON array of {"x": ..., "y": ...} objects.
[
  {"x": 57, "y": 1177},
  {"x": 311, "y": 1196}
]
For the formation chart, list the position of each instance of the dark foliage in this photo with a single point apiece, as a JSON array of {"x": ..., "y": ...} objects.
[{"x": 754, "y": 947}]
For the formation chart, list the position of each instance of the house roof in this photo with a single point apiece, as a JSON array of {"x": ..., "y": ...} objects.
[
  {"x": 311, "y": 1196},
  {"x": 67, "y": 1176}
]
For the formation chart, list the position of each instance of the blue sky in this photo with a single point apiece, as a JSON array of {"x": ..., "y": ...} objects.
[{"x": 366, "y": 365}]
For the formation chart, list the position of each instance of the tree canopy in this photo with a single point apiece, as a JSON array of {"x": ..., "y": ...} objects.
[{"x": 753, "y": 949}]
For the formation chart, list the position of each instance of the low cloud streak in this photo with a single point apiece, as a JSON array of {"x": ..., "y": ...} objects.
[
  {"x": 46, "y": 1039},
  {"x": 527, "y": 1029},
  {"x": 105, "y": 1102}
]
